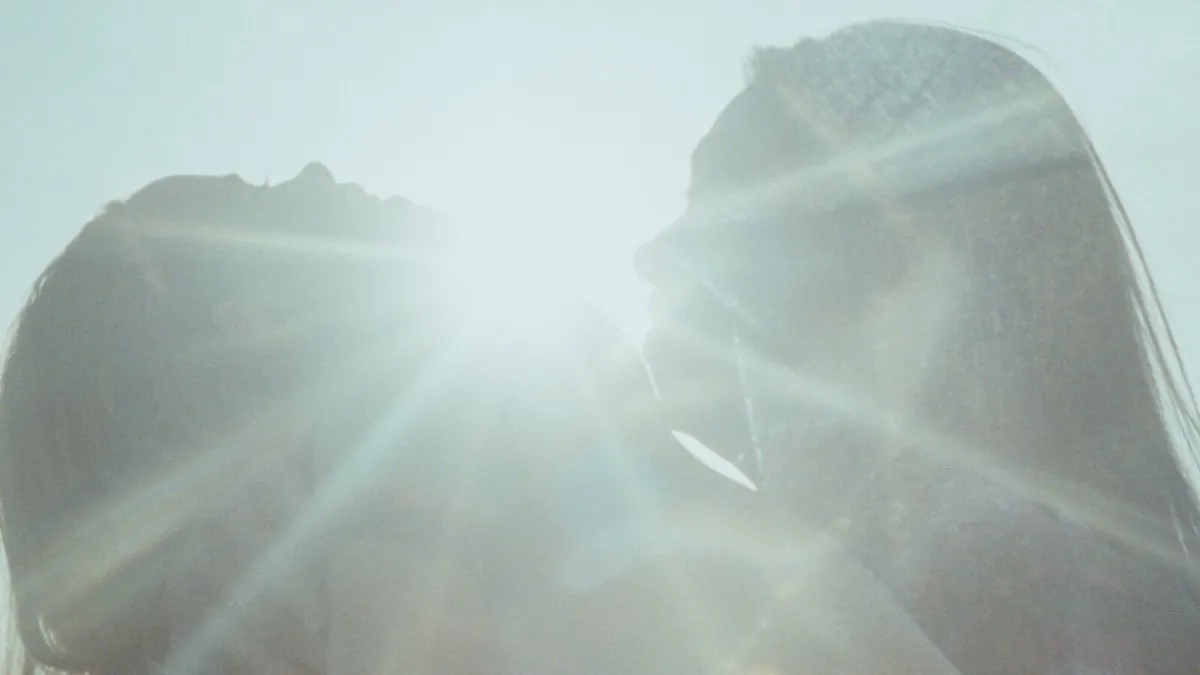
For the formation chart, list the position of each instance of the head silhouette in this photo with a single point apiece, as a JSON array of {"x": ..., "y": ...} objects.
[
  {"x": 910, "y": 218},
  {"x": 902, "y": 264},
  {"x": 174, "y": 320},
  {"x": 195, "y": 369}
]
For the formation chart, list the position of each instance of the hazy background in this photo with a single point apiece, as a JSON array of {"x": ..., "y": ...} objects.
[{"x": 565, "y": 118}]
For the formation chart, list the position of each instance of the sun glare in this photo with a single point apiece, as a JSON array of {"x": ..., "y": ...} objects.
[
  {"x": 505, "y": 296},
  {"x": 518, "y": 285}
]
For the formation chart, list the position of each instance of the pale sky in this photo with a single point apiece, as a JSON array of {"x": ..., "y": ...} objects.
[{"x": 571, "y": 117}]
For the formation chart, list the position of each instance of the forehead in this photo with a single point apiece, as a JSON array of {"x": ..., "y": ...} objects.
[
  {"x": 775, "y": 148},
  {"x": 754, "y": 139},
  {"x": 904, "y": 97},
  {"x": 770, "y": 156}
]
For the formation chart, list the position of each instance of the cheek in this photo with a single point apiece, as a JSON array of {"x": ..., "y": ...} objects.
[{"x": 810, "y": 306}]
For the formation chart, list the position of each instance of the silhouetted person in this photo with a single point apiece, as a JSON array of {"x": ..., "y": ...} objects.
[
  {"x": 905, "y": 299},
  {"x": 240, "y": 432}
]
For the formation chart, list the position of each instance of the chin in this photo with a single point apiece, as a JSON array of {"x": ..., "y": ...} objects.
[{"x": 701, "y": 391}]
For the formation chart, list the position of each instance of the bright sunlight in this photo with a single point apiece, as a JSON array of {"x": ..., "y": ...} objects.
[
  {"x": 513, "y": 287},
  {"x": 517, "y": 282},
  {"x": 508, "y": 292}
]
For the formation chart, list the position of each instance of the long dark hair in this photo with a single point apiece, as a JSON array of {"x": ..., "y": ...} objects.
[
  {"x": 1062, "y": 380},
  {"x": 1096, "y": 404},
  {"x": 116, "y": 375}
]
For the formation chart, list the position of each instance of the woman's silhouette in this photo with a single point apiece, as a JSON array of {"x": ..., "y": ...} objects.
[
  {"x": 240, "y": 432},
  {"x": 906, "y": 301}
]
